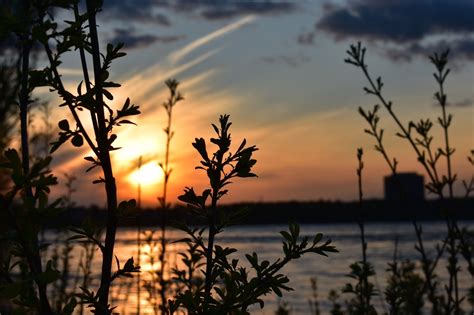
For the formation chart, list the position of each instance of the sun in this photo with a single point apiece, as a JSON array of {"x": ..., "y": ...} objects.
[{"x": 148, "y": 174}]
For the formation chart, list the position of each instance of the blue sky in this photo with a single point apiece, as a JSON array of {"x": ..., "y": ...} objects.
[{"x": 277, "y": 68}]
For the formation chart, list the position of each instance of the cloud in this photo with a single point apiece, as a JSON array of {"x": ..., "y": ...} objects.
[
  {"x": 229, "y": 9},
  {"x": 289, "y": 60},
  {"x": 142, "y": 11},
  {"x": 463, "y": 103},
  {"x": 132, "y": 40},
  {"x": 400, "y": 20},
  {"x": 152, "y": 11},
  {"x": 407, "y": 27},
  {"x": 460, "y": 49},
  {"x": 178, "y": 55},
  {"x": 467, "y": 102}
]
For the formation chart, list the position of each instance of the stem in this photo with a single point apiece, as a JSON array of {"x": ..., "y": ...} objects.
[
  {"x": 173, "y": 99},
  {"x": 163, "y": 285},
  {"x": 104, "y": 156},
  {"x": 428, "y": 269},
  {"x": 139, "y": 231},
  {"x": 210, "y": 248},
  {"x": 68, "y": 99},
  {"x": 164, "y": 205},
  {"x": 24, "y": 99},
  {"x": 32, "y": 254},
  {"x": 85, "y": 72},
  {"x": 366, "y": 298},
  {"x": 445, "y": 126},
  {"x": 212, "y": 229}
]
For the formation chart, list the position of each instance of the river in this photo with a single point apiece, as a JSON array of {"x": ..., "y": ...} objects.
[{"x": 330, "y": 272}]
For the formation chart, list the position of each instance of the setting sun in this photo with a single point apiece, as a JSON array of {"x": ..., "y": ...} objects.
[{"x": 148, "y": 174}]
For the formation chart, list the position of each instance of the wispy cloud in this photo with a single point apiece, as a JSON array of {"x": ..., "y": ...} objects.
[
  {"x": 142, "y": 86},
  {"x": 180, "y": 54}
]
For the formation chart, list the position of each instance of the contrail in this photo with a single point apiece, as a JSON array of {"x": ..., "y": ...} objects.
[
  {"x": 144, "y": 84},
  {"x": 180, "y": 54}
]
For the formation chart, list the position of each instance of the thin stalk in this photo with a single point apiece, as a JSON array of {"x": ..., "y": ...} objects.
[
  {"x": 360, "y": 166},
  {"x": 168, "y": 105},
  {"x": 85, "y": 73},
  {"x": 448, "y": 151},
  {"x": 24, "y": 100},
  {"x": 445, "y": 122},
  {"x": 212, "y": 233},
  {"x": 163, "y": 285},
  {"x": 69, "y": 101},
  {"x": 210, "y": 247},
  {"x": 104, "y": 157},
  {"x": 139, "y": 231},
  {"x": 32, "y": 254},
  {"x": 166, "y": 170}
]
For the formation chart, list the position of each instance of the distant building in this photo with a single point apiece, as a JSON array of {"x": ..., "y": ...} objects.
[{"x": 404, "y": 187}]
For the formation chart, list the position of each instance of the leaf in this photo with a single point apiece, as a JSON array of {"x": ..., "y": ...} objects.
[
  {"x": 77, "y": 140},
  {"x": 286, "y": 235},
  {"x": 69, "y": 307},
  {"x": 90, "y": 159},
  {"x": 317, "y": 238},
  {"x": 111, "y": 84},
  {"x": 98, "y": 181},
  {"x": 49, "y": 275},
  {"x": 107, "y": 94},
  {"x": 200, "y": 145},
  {"x": 64, "y": 125},
  {"x": 125, "y": 121}
]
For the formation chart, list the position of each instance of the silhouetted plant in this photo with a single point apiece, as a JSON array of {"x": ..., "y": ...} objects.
[
  {"x": 32, "y": 182},
  {"x": 150, "y": 285},
  {"x": 313, "y": 301},
  {"x": 174, "y": 97},
  {"x": 158, "y": 285},
  {"x": 92, "y": 100},
  {"x": 336, "y": 308},
  {"x": 283, "y": 308},
  {"x": 37, "y": 25},
  {"x": 405, "y": 288},
  {"x": 27, "y": 218},
  {"x": 418, "y": 136},
  {"x": 361, "y": 270},
  {"x": 229, "y": 288}
]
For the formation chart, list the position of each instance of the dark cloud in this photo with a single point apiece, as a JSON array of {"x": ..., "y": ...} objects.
[
  {"x": 398, "y": 20},
  {"x": 464, "y": 103},
  {"x": 289, "y": 60},
  {"x": 467, "y": 102},
  {"x": 151, "y": 11},
  {"x": 460, "y": 49},
  {"x": 143, "y": 11},
  {"x": 228, "y": 9},
  {"x": 407, "y": 28},
  {"x": 132, "y": 40}
]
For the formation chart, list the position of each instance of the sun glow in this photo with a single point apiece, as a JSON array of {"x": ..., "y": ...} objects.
[{"x": 148, "y": 174}]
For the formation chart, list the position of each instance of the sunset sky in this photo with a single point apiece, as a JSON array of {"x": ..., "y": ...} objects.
[{"x": 277, "y": 68}]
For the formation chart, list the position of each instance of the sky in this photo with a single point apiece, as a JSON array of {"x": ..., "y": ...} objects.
[{"x": 278, "y": 69}]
